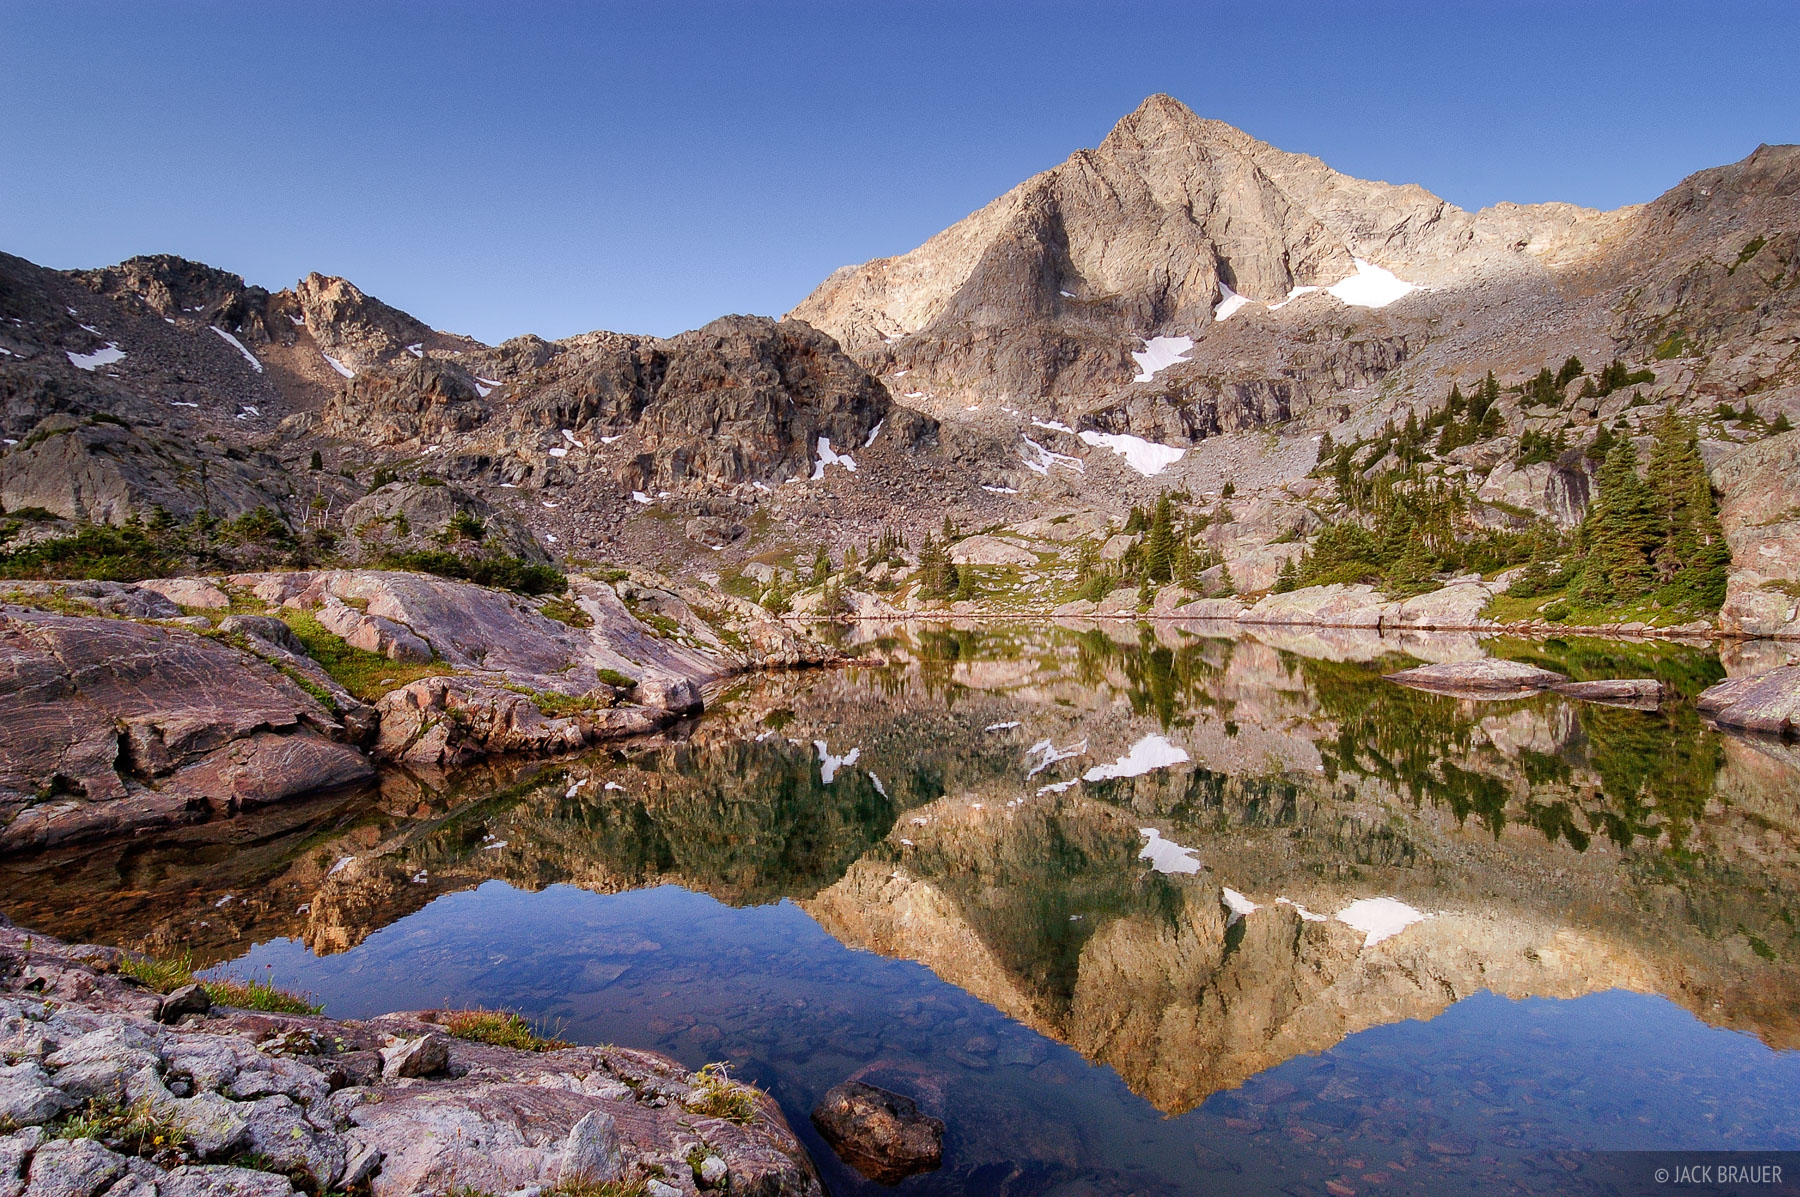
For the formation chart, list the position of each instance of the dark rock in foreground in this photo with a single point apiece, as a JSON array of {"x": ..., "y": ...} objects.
[
  {"x": 880, "y": 1134},
  {"x": 1763, "y": 702},
  {"x": 309, "y": 1098}
]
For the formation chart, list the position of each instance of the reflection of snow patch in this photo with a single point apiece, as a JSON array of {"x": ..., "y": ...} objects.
[
  {"x": 1159, "y": 353},
  {"x": 829, "y": 764},
  {"x": 1148, "y": 754},
  {"x": 828, "y": 457},
  {"x": 1167, "y": 856},
  {"x": 1380, "y": 918},
  {"x": 239, "y": 346},
  {"x": 1230, "y": 302},
  {"x": 106, "y": 355},
  {"x": 1146, "y": 457},
  {"x": 1237, "y": 903},
  {"x": 1370, "y": 287},
  {"x": 1048, "y": 754}
]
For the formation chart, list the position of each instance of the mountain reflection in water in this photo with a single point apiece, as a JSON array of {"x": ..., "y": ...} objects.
[{"x": 981, "y": 801}]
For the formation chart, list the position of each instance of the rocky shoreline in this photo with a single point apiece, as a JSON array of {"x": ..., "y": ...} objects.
[
  {"x": 111, "y": 1087},
  {"x": 125, "y": 706}
]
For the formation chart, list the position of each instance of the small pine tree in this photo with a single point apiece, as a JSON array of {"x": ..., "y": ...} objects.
[
  {"x": 318, "y": 461},
  {"x": 1782, "y": 424},
  {"x": 821, "y": 566},
  {"x": 1289, "y": 577},
  {"x": 1571, "y": 370}
]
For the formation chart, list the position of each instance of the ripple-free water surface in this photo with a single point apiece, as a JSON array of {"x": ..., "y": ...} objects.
[{"x": 1608, "y": 961}]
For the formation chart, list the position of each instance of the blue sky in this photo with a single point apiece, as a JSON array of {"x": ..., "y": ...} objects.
[{"x": 503, "y": 168}]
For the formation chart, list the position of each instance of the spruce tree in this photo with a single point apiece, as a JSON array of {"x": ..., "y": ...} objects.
[
  {"x": 1159, "y": 543},
  {"x": 1289, "y": 577}
]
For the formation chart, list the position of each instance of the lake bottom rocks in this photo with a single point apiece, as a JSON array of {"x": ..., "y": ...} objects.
[{"x": 880, "y": 1134}]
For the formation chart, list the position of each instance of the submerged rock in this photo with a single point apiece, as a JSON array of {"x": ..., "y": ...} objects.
[{"x": 880, "y": 1134}]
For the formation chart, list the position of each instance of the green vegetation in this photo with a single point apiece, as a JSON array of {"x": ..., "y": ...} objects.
[
  {"x": 365, "y": 674},
  {"x": 501, "y": 1029},
  {"x": 499, "y": 570},
  {"x": 130, "y": 1129},
  {"x": 1751, "y": 248},
  {"x": 716, "y": 1095},
  {"x": 565, "y": 610},
  {"x": 162, "y": 974},
  {"x": 1652, "y": 538},
  {"x": 105, "y": 553}
]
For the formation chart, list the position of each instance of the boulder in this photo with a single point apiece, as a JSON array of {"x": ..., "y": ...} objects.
[
  {"x": 880, "y": 1134},
  {"x": 592, "y": 1153},
  {"x": 1490, "y": 676},
  {"x": 413, "y": 516},
  {"x": 427, "y": 1055},
  {"x": 188, "y": 999},
  {"x": 990, "y": 550},
  {"x": 1640, "y": 693},
  {"x": 1763, "y": 702}
]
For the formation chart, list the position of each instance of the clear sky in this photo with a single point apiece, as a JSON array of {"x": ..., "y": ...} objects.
[{"x": 503, "y": 168}]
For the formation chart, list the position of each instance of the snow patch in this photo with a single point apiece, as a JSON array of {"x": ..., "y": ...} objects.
[
  {"x": 1000, "y": 490},
  {"x": 1306, "y": 914},
  {"x": 417, "y": 350},
  {"x": 1047, "y": 754},
  {"x": 879, "y": 788},
  {"x": 1370, "y": 287},
  {"x": 340, "y": 367},
  {"x": 1038, "y": 459},
  {"x": 1229, "y": 304},
  {"x": 1296, "y": 293},
  {"x": 239, "y": 346},
  {"x": 829, "y": 764},
  {"x": 607, "y": 440},
  {"x": 827, "y": 457},
  {"x": 1146, "y": 457},
  {"x": 1237, "y": 903},
  {"x": 1167, "y": 856},
  {"x": 1380, "y": 918},
  {"x": 1159, "y": 353},
  {"x": 1001, "y": 726},
  {"x": 875, "y": 431},
  {"x": 106, "y": 355},
  {"x": 343, "y": 862},
  {"x": 559, "y": 451},
  {"x": 1147, "y": 755},
  {"x": 1052, "y": 425}
]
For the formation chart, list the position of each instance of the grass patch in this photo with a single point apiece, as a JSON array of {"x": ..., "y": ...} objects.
[
  {"x": 1560, "y": 607},
  {"x": 164, "y": 973},
  {"x": 500, "y": 1029},
  {"x": 637, "y": 1186},
  {"x": 365, "y": 674},
  {"x": 615, "y": 679},
  {"x": 564, "y": 610},
  {"x": 133, "y": 1129},
  {"x": 716, "y": 1095},
  {"x": 557, "y": 705}
]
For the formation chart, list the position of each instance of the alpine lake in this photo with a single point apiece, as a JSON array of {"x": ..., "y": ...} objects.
[{"x": 1136, "y": 909}]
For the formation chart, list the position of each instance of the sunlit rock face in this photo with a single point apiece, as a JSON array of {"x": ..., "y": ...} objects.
[{"x": 1187, "y": 856}]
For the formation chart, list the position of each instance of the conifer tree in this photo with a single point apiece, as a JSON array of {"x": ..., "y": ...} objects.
[{"x": 1159, "y": 543}]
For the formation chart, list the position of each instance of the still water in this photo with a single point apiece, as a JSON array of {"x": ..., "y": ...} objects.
[{"x": 1135, "y": 910}]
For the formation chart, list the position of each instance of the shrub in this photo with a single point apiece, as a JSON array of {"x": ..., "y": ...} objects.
[
  {"x": 501, "y": 1029},
  {"x": 500, "y": 571}
]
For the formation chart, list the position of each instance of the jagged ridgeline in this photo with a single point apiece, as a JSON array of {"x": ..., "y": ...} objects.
[{"x": 1179, "y": 367}]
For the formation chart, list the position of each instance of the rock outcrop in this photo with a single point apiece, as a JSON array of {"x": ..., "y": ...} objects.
[
  {"x": 404, "y": 517},
  {"x": 1758, "y": 702},
  {"x": 390, "y": 1105},
  {"x": 107, "y": 725}
]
